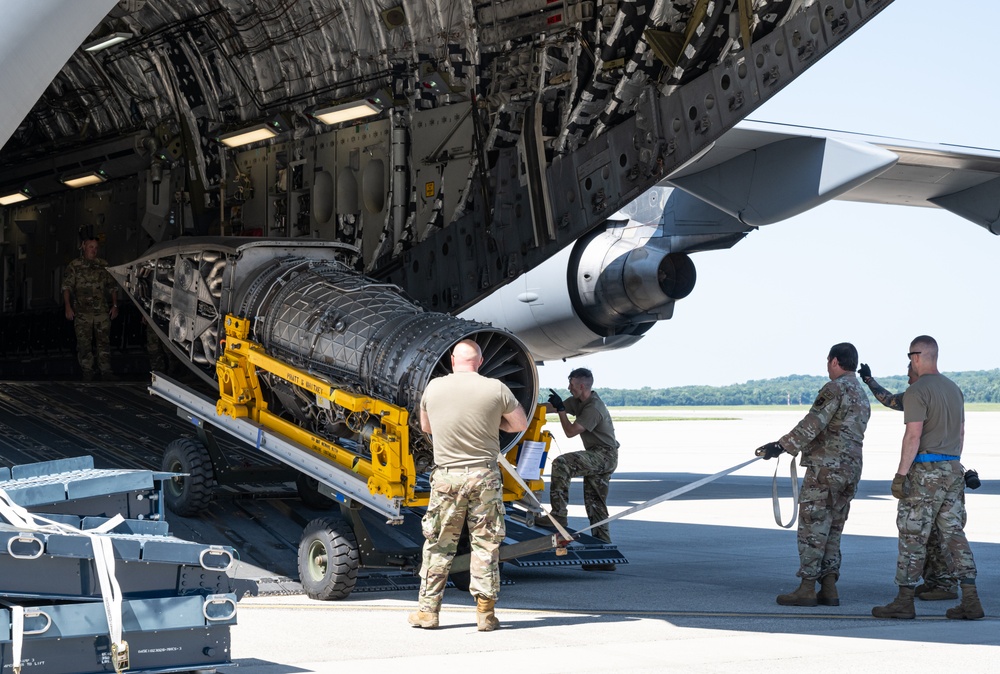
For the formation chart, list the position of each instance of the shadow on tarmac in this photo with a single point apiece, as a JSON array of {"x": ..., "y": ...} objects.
[{"x": 713, "y": 575}]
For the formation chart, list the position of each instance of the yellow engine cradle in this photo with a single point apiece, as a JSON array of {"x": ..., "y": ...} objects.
[{"x": 390, "y": 471}]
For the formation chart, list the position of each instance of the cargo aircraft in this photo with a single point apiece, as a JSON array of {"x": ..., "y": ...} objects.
[{"x": 545, "y": 167}]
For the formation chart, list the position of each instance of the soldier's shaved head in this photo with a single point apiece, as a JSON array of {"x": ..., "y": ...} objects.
[
  {"x": 927, "y": 346},
  {"x": 467, "y": 356}
]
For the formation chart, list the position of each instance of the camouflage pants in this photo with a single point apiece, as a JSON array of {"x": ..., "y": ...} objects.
[
  {"x": 824, "y": 503},
  {"x": 93, "y": 329},
  {"x": 461, "y": 496},
  {"x": 595, "y": 466},
  {"x": 935, "y": 498},
  {"x": 937, "y": 568}
]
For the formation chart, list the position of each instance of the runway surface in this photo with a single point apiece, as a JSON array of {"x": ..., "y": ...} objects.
[{"x": 698, "y": 593}]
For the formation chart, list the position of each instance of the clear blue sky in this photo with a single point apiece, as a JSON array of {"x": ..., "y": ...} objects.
[{"x": 873, "y": 275}]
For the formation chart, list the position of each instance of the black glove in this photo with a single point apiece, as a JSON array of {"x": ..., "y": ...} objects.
[
  {"x": 899, "y": 486},
  {"x": 972, "y": 480},
  {"x": 864, "y": 372},
  {"x": 556, "y": 402},
  {"x": 770, "y": 450}
]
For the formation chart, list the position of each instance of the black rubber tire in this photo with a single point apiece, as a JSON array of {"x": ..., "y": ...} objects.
[
  {"x": 328, "y": 559},
  {"x": 190, "y": 494},
  {"x": 308, "y": 488}
]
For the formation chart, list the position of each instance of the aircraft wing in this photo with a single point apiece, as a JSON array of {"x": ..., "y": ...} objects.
[
  {"x": 609, "y": 289},
  {"x": 963, "y": 180}
]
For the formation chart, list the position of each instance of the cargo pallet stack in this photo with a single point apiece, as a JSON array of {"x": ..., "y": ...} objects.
[{"x": 92, "y": 581}]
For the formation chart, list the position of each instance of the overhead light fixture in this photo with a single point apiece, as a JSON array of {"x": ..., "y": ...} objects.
[
  {"x": 347, "y": 111},
  {"x": 250, "y": 135},
  {"x": 7, "y": 197},
  {"x": 83, "y": 179},
  {"x": 106, "y": 41}
]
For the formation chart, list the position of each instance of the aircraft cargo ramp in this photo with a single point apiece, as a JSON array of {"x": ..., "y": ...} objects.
[{"x": 122, "y": 426}]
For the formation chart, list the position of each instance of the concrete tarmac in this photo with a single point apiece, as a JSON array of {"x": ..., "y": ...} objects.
[{"x": 699, "y": 592}]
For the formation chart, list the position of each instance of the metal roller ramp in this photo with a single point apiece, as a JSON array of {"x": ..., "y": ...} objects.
[
  {"x": 122, "y": 427},
  {"x": 148, "y": 562},
  {"x": 74, "y": 486}
]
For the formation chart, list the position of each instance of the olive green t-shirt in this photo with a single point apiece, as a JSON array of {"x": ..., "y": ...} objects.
[
  {"x": 938, "y": 402},
  {"x": 594, "y": 416},
  {"x": 465, "y": 410}
]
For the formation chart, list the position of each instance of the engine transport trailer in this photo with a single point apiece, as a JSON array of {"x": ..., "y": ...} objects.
[{"x": 322, "y": 369}]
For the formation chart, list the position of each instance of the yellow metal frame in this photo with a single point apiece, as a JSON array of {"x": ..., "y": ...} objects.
[
  {"x": 512, "y": 491},
  {"x": 390, "y": 471}
]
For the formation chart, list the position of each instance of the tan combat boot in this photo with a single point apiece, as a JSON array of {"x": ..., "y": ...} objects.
[
  {"x": 486, "y": 620},
  {"x": 935, "y": 592},
  {"x": 427, "y": 620},
  {"x": 805, "y": 595},
  {"x": 900, "y": 608},
  {"x": 970, "y": 608},
  {"x": 827, "y": 595}
]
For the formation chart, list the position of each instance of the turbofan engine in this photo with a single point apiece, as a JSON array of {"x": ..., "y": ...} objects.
[{"x": 310, "y": 310}]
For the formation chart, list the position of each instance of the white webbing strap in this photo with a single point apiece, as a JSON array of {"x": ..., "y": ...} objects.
[
  {"x": 512, "y": 471},
  {"x": 671, "y": 494},
  {"x": 17, "y": 636},
  {"x": 104, "y": 560},
  {"x": 775, "y": 504}
]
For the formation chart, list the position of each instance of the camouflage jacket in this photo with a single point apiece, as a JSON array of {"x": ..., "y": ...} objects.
[
  {"x": 89, "y": 284},
  {"x": 893, "y": 401},
  {"x": 833, "y": 430}
]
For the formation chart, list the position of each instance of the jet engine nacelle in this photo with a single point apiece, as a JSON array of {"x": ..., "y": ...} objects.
[
  {"x": 601, "y": 293},
  {"x": 609, "y": 288}
]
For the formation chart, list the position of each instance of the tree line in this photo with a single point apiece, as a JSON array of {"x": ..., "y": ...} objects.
[{"x": 982, "y": 386}]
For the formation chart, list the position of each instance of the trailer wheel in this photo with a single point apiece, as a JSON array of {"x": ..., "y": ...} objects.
[
  {"x": 308, "y": 488},
  {"x": 328, "y": 559},
  {"x": 190, "y": 494}
]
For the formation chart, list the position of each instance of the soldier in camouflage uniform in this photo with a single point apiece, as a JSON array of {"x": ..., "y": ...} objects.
[
  {"x": 86, "y": 288},
  {"x": 829, "y": 438},
  {"x": 595, "y": 463},
  {"x": 465, "y": 412},
  {"x": 929, "y": 484},
  {"x": 939, "y": 583}
]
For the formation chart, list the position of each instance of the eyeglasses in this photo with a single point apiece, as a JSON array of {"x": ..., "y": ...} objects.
[{"x": 911, "y": 354}]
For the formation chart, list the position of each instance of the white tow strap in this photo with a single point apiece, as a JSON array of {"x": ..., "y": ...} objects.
[
  {"x": 104, "y": 561},
  {"x": 775, "y": 503},
  {"x": 17, "y": 636},
  {"x": 795, "y": 495},
  {"x": 671, "y": 494},
  {"x": 512, "y": 471}
]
